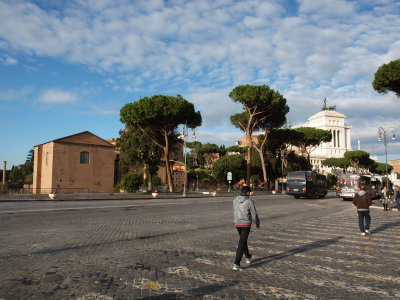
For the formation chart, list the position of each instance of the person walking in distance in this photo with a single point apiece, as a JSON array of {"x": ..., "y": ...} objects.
[
  {"x": 244, "y": 214},
  {"x": 363, "y": 201},
  {"x": 385, "y": 197},
  {"x": 396, "y": 197}
]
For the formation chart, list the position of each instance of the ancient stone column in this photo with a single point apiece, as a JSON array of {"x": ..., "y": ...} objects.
[{"x": 4, "y": 172}]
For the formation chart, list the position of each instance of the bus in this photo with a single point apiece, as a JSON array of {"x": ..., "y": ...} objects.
[
  {"x": 307, "y": 184},
  {"x": 349, "y": 184}
]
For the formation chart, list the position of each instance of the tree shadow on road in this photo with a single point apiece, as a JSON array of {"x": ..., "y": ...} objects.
[
  {"x": 385, "y": 226},
  {"x": 314, "y": 245}
]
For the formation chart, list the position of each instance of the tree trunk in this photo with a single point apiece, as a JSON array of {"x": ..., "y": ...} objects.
[
  {"x": 249, "y": 159},
  {"x": 149, "y": 184},
  {"x": 168, "y": 168},
  {"x": 264, "y": 168}
]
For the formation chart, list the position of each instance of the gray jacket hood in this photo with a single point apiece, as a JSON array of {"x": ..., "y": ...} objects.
[
  {"x": 244, "y": 211},
  {"x": 242, "y": 197}
]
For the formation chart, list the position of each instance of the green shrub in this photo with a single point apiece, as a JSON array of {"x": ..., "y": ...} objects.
[
  {"x": 3, "y": 188},
  {"x": 131, "y": 182},
  {"x": 155, "y": 181},
  {"x": 331, "y": 180}
]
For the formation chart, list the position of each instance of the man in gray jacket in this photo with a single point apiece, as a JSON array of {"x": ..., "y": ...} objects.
[{"x": 244, "y": 213}]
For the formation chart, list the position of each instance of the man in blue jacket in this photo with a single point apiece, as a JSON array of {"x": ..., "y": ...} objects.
[{"x": 244, "y": 213}]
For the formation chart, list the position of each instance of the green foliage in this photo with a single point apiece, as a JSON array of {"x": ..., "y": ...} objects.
[
  {"x": 194, "y": 145},
  {"x": 297, "y": 162},
  {"x": 230, "y": 163},
  {"x": 331, "y": 180},
  {"x": 4, "y": 188},
  {"x": 312, "y": 138},
  {"x": 255, "y": 180},
  {"x": 342, "y": 162},
  {"x": 131, "y": 182},
  {"x": 161, "y": 113},
  {"x": 264, "y": 109},
  {"x": 209, "y": 148},
  {"x": 284, "y": 137},
  {"x": 22, "y": 173},
  {"x": 155, "y": 181},
  {"x": 30, "y": 156},
  {"x": 380, "y": 168},
  {"x": 135, "y": 147},
  {"x": 158, "y": 117},
  {"x": 359, "y": 159},
  {"x": 237, "y": 149},
  {"x": 387, "y": 78}
]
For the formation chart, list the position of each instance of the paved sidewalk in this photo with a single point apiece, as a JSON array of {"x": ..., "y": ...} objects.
[
  {"x": 305, "y": 249},
  {"x": 106, "y": 196}
]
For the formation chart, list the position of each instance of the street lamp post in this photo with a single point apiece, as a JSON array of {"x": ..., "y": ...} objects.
[
  {"x": 384, "y": 132},
  {"x": 184, "y": 137}
]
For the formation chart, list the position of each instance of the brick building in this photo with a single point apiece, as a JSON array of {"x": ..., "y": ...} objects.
[{"x": 81, "y": 162}]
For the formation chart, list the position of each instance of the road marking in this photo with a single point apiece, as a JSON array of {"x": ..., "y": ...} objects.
[{"x": 107, "y": 206}]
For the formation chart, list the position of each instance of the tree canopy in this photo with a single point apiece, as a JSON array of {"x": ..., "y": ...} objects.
[
  {"x": 264, "y": 108},
  {"x": 230, "y": 163},
  {"x": 387, "y": 78},
  {"x": 359, "y": 159},
  {"x": 135, "y": 146},
  {"x": 380, "y": 168},
  {"x": 312, "y": 138},
  {"x": 342, "y": 162},
  {"x": 282, "y": 141},
  {"x": 162, "y": 114}
]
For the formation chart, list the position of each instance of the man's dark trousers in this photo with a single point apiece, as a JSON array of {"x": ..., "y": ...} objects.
[
  {"x": 242, "y": 247},
  {"x": 364, "y": 214}
]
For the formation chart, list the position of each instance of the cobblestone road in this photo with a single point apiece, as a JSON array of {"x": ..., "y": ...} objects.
[{"x": 305, "y": 249}]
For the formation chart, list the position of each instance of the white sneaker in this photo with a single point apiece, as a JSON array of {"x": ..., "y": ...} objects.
[
  {"x": 248, "y": 259},
  {"x": 362, "y": 233},
  {"x": 236, "y": 268},
  {"x": 367, "y": 232}
]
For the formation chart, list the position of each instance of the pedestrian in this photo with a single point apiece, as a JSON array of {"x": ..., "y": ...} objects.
[
  {"x": 362, "y": 201},
  {"x": 396, "y": 197},
  {"x": 385, "y": 197},
  {"x": 244, "y": 214}
]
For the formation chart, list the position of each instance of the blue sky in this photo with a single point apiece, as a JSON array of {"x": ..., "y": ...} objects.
[{"x": 69, "y": 66}]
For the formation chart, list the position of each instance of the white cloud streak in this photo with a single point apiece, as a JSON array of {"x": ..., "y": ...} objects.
[{"x": 57, "y": 97}]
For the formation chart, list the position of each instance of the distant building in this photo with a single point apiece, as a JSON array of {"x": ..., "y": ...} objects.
[
  {"x": 245, "y": 143},
  {"x": 341, "y": 137},
  {"x": 395, "y": 163},
  {"x": 178, "y": 175},
  {"x": 81, "y": 162}
]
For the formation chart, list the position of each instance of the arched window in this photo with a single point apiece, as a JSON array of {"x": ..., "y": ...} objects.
[{"x": 84, "y": 157}]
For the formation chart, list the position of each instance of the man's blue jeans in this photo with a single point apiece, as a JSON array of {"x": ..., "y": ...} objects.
[
  {"x": 364, "y": 215},
  {"x": 398, "y": 203}
]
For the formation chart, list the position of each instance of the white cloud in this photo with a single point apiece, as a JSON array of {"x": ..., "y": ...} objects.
[
  {"x": 8, "y": 60},
  {"x": 202, "y": 49},
  {"x": 57, "y": 97},
  {"x": 15, "y": 95}
]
